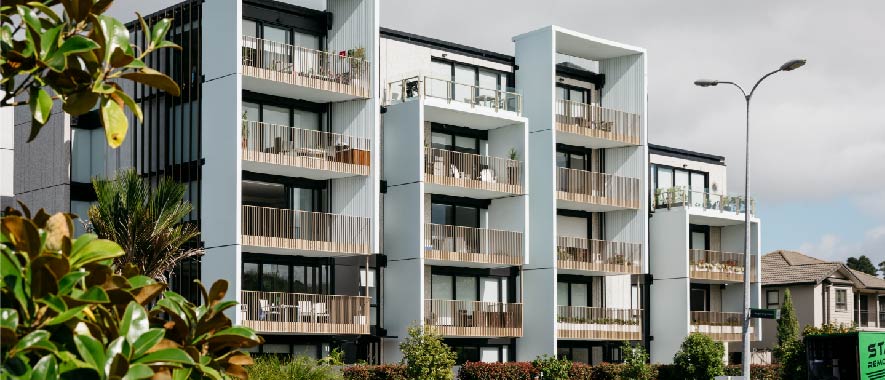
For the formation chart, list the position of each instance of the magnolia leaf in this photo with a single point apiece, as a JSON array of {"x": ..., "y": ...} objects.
[
  {"x": 66, "y": 283},
  {"x": 216, "y": 293},
  {"x": 92, "y": 251},
  {"x": 37, "y": 340},
  {"x": 147, "y": 341},
  {"x": 22, "y": 233},
  {"x": 138, "y": 371},
  {"x": 158, "y": 33},
  {"x": 167, "y": 44},
  {"x": 49, "y": 42},
  {"x": 80, "y": 102},
  {"x": 45, "y": 10},
  {"x": 115, "y": 35},
  {"x": 66, "y": 316},
  {"x": 77, "y": 9},
  {"x": 134, "y": 322},
  {"x": 41, "y": 106},
  {"x": 27, "y": 14},
  {"x": 91, "y": 350},
  {"x": 46, "y": 368},
  {"x": 168, "y": 355},
  {"x": 8, "y": 325},
  {"x": 115, "y": 122},
  {"x": 154, "y": 78},
  {"x": 58, "y": 60},
  {"x": 136, "y": 110}
]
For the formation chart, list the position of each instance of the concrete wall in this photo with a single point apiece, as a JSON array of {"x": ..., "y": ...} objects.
[
  {"x": 668, "y": 259},
  {"x": 807, "y": 304},
  {"x": 42, "y": 167}
]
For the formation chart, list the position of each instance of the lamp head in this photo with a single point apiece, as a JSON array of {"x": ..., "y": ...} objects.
[
  {"x": 793, "y": 64},
  {"x": 706, "y": 82}
]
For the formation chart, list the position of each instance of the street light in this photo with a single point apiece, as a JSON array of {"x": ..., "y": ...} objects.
[{"x": 787, "y": 66}]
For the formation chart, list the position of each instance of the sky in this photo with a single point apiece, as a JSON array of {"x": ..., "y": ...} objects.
[{"x": 818, "y": 133}]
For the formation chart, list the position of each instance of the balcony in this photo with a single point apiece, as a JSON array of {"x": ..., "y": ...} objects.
[
  {"x": 718, "y": 266},
  {"x": 473, "y": 245},
  {"x": 470, "y": 175},
  {"x": 280, "y": 69},
  {"x": 720, "y": 326},
  {"x": 592, "y": 126},
  {"x": 295, "y": 152},
  {"x": 474, "y": 318},
  {"x": 282, "y": 231},
  {"x": 579, "y": 322},
  {"x": 701, "y": 200},
  {"x": 579, "y": 254},
  {"x": 299, "y": 313},
  {"x": 590, "y": 191},
  {"x": 457, "y": 103}
]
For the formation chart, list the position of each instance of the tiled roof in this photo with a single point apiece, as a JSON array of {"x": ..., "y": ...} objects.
[
  {"x": 868, "y": 281},
  {"x": 787, "y": 267}
]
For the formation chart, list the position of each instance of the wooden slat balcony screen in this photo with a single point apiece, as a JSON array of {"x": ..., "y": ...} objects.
[
  {"x": 476, "y": 245},
  {"x": 721, "y": 326},
  {"x": 290, "y": 146},
  {"x": 296, "y": 65},
  {"x": 594, "y": 121},
  {"x": 278, "y": 312},
  {"x": 680, "y": 196},
  {"x": 474, "y": 318},
  {"x": 303, "y": 230},
  {"x": 472, "y": 171},
  {"x": 474, "y": 96},
  {"x": 715, "y": 265},
  {"x": 597, "y": 188},
  {"x": 579, "y": 322},
  {"x": 598, "y": 255}
]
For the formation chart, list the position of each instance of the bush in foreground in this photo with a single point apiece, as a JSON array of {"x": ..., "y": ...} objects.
[
  {"x": 270, "y": 367},
  {"x": 375, "y": 372},
  {"x": 699, "y": 358}
]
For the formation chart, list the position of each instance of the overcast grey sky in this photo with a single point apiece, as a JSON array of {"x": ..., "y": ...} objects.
[{"x": 819, "y": 132}]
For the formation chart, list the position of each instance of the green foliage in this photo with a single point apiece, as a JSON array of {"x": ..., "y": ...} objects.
[
  {"x": 336, "y": 357},
  {"x": 271, "y": 367},
  {"x": 426, "y": 356},
  {"x": 828, "y": 328},
  {"x": 80, "y": 56},
  {"x": 375, "y": 372},
  {"x": 759, "y": 372},
  {"x": 882, "y": 268},
  {"x": 788, "y": 325},
  {"x": 553, "y": 368},
  {"x": 791, "y": 357},
  {"x": 862, "y": 264},
  {"x": 699, "y": 357},
  {"x": 636, "y": 365},
  {"x": 66, "y": 314},
  {"x": 145, "y": 222}
]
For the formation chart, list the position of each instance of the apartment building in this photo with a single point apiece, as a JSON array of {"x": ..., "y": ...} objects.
[
  {"x": 823, "y": 292},
  {"x": 696, "y": 235}
]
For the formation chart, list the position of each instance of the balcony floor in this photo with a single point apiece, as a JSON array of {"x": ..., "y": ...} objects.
[
  {"x": 458, "y": 113},
  {"x": 589, "y": 207},
  {"x": 299, "y": 171},
  {"x": 458, "y": 191},
  {"x": 588, "y": 141},
  {"x": 286, "y": 90}
]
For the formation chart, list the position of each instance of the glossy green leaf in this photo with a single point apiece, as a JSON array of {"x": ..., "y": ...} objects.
[
  {"x": 139, "y": 371},
  {"x": 134, "y": 322},
  {"x": 115, "y": 122},
  {"x": 66, "y": 316},
  {"x": 115, "y": 35},
  {"x": 30, "y": 17},
  {"x": 37, "y": 340},
  {"x": 140, "y": 281},
  {"x": 93, "y": 295},
  {"x": 46, "y": 368},
  {"x": 92, "y": 251},
  {"x": 239, "y": 331},
  {"x": 81, "y": 242},
  {"x": 134, "y": 107},
  {"x": 8, "y": 318},
  {"x": 49, "y": 41},
  {"x": 22, "y": 233},
  {"x": 41, "y": 106},
  {"x": 9, "y": 265},
  {"x": 45, "y": 10},
  {"x": 155, "y": 79},
  {"x": 66, "y": 283},
  {"x": 147, "y": 341},
  {"x": 167, "y": 44},
  {"x": 72, "y": 45},
  {"x": 91, "y": 350},
  {"x": 167, "y": 355}
]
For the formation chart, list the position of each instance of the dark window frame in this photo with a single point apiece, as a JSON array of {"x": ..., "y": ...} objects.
[
  {"x": 477, "y": 275},
  {"x": 580, "y": 280},
  {"x": 319, "y": 267},
  {"x": 768, "y": 303},
  {"x": 654, "y": 168},
  {"x": 476, "y": 68},
  {"x": 841, "y": 306}
]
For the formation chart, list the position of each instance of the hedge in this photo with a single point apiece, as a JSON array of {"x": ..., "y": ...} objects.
[
  {"x": 375, "y": 372},
  {"x": 757, "y": 372},
  {"x": 497, "y": 371}
]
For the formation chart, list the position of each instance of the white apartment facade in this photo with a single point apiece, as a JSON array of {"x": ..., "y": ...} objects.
[
  {"x": 696, "y": 235},
  {"x": 350, "y": 181}
]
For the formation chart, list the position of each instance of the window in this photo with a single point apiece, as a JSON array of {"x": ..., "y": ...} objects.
[
  {"x": 841, "y": 299},
  {"x": 574, "y": 93},
  {"x": 470, "y": 75},
  {"x": 698, "y": 299},
  {"x": 772, "y": 299},
  {"x": 87, "y": 154},
  {"x": 576, "y": 292},
  {"x": 471, "y": 288},
  {"x": 368, "y": 288},
  {"x": 287, "y": 277}
]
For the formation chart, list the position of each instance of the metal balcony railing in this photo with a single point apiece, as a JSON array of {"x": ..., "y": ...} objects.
[
  {"x": 296, "y": 65},
  {"x": 680, "y": 196},
  {"x": 597, "y": 188},
  {"x": 290, "y": 146},
  {"x": 476, "y": 245},
  {"x": 474, "y": 318},
  {"x": 721, "y": 326},
  {"x": 450, "y": 91},
  {"x": 580, "y": 322},
  {"x": 304, "y": 230},
  {"x": 594, "y": 121},
  {"x": 472, "y": 171},
  {"x": 598, "y": 255},
  {"x": 715, "y": 265},
  {"x": 278, "y": 312}
]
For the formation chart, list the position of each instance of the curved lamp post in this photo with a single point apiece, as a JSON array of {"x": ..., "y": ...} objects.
[{"x": 787, "y": 66}]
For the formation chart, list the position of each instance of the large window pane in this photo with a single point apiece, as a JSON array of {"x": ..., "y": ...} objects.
[
  {"x": 489, "y": 289},
  {"x": 303, "y": 199},
  {"x": 561, "y": 160},
  {"x": 681, "y": 179},
  {"x": 299, "y": 284},
  {"x": 309, "y": 41},
  {"x": 276, "y": 115},
  {"x": 465, "y": 77},
  {"x": 466, "y": 144},
  {"x": 488, "y": 83},
  {"x": 439, "y": 214},
  {"x": 440, "y": 141},
  {"x": 577, "y": 161},
  {"x": 466, "y": 216},
  {"x": 276, "y": 34},
  {"x": 665, "y": 178},
  {"x": 275, "y": 278},
  {"x": 577, "y": 96},
  {"x": 249, "y": 28},
  {"x": 579, "y": 294},
  {"x": 441, "y": 287},
  {"x": 465, "y": 288},
  {"x": 488, "y": 354},
  {"x": 698, "y": 300},
  {"x": 306, "y": 120},
  {"x": 562, "y": 294},
  {"x": 698, "y": 240},
  {"x": 250, "y": 277}
]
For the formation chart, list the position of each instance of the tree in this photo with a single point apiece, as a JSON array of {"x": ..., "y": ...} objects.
[
  {"x": 426, "y": 356},
  {"x": 66, "y": 315},
  {"x": 882, "y": 268},
  {"x": 77, "y": 58},
  {"x": 699, "y": 358},
  {"x": 862, "y": 264},
  {"x": 788, "y": 325},
  {"x": 636, "y": 365},
  {"x": 146, "y": 222}
]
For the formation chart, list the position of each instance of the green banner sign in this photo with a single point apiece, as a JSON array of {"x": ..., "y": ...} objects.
[
  {"x": 765, "y": 313},
  {"x": 872, "y": 355}
]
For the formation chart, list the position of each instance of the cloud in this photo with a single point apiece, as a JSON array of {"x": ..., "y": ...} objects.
[{"x": 834, "y": 247}]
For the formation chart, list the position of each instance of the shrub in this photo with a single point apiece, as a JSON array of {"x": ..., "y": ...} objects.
[
  {"x": 580, "y": 371},
  {"x": 67, "y": 314},
  {"x": 607, "y": 371},
  {"x": 636, "y": 365},
  {"x": 553, "y": 368},
  {"x": 375, "y": 372},
  {"x": 757, "y": 372},
  {"x": 497, "y": 371},
  {"x": 699, "y": 358},
  {"x": 271, "y": 367},
  {"x": 426, "y": 356},
  {"x": 667, "y": 372}
]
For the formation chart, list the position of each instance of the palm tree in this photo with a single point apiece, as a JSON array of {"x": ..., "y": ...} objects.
[{"x": 146, "y": 223}]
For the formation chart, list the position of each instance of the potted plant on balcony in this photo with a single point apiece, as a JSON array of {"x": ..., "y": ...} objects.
[
  {"x": 513, "y": 166},
  {"x": 245, "y": 131}
]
